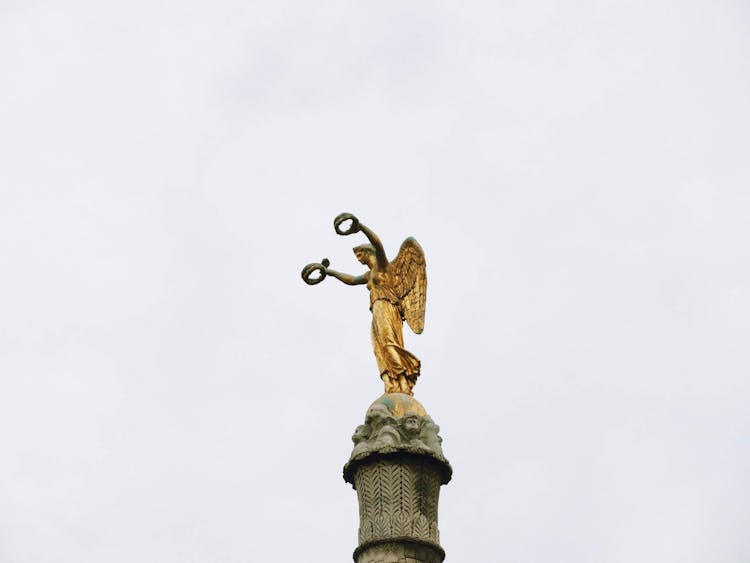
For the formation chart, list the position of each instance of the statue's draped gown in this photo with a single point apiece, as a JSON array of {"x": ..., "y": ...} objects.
[{"x": 387, "y": 330}]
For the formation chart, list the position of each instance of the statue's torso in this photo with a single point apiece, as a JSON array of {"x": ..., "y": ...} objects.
[{"x": 382, "y": 285}]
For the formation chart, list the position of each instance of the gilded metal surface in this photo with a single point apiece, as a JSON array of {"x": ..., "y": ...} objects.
[
  {"x": 398, "y": 291},
  {"x": 399, "y": 405}
]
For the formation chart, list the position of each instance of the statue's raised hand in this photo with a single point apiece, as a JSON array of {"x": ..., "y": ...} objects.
[
  {"x": 343, "y": 218},
  {"x": 310, "y": 269}
]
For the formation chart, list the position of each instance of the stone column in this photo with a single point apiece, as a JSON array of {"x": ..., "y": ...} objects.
[{"x": 397, "y": 468}]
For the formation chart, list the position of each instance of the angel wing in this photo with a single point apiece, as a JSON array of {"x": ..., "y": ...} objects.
[{"x": 410, "y": 271}]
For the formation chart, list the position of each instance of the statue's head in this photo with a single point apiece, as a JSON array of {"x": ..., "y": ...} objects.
[
  {"x": 378, "y": 416},
  {"x": 411, "y": 424},
  {"x": 365, "y": 254}
]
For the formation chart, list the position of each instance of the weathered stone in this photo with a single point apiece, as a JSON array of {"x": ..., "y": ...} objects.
[
  {"x": 397, "y": 468},
  {"x": 399, "y": 552},
  {"x": 397, "y": 423}
]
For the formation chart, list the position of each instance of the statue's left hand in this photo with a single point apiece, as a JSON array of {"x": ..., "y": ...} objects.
[
  {"x": 310, "y": 269},
  {"x": 342, "y": 218}
]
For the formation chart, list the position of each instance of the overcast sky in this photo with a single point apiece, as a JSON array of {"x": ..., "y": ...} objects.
[{"x": 577, "y": 173}]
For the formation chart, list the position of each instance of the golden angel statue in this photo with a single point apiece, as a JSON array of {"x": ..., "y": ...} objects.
[{"x": 397, "y": 292}]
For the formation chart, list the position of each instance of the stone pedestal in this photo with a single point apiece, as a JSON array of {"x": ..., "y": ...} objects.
[{"x": 397, "y": 468}]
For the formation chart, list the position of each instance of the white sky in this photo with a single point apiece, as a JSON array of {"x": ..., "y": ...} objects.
[{"x": 577, "y": 173}]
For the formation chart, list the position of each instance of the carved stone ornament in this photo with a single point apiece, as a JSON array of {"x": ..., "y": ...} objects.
[
  {"x": 397, "y": 467},
  {"x": 397, "y": 423},
  {"x": 400, "y": 552}
]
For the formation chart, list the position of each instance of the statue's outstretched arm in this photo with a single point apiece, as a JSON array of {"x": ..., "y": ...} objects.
[{"x": 348, "y": 279}]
